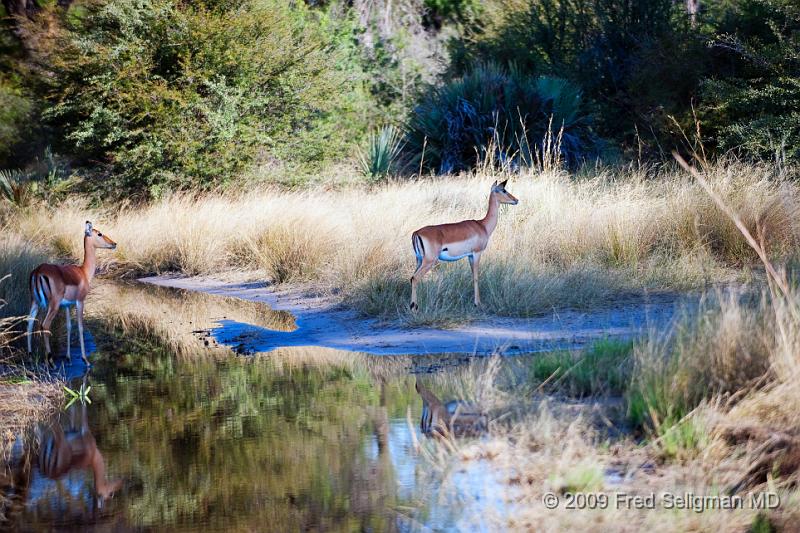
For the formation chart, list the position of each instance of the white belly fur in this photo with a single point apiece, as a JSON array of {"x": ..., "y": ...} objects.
[
  {"x": 457, "y": 250},
  {"x": 443, "y": 256}
]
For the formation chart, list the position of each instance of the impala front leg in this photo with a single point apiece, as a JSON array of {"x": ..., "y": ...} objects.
[
  {"x": 474, "y": 262},
  {"x": 79, "y": 312},
  {"x": 69, "y": 335}
]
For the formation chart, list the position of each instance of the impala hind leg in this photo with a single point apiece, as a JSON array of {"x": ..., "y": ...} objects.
[
  {"x": 424, "y": 267},
  {"x": 52, "y": 311},
  {"x": 474, "y": 262},
  {"x": 31, "y": 319}
]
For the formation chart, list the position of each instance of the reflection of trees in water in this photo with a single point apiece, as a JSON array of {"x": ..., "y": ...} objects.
[{"x": 251, "y": 443}]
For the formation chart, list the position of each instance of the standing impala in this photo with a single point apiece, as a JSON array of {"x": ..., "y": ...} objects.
[
  {"x": 55, "y": 286},
  {"x": 451, "y": 242}
]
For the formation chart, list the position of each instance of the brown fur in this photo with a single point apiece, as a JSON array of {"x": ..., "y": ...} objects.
[
  {"x": 453, "y": 418},
  {"x": 65, "y": 285},
  {"x": 467, "y": 238}
]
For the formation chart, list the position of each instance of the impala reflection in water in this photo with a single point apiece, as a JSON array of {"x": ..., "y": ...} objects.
[{"x": 302, "y": 438}]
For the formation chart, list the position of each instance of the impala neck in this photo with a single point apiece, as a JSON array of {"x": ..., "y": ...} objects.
[
  {"x": 89, "y": 258},
  {"x": 99, "y": 470},
  {"x": 490, "y": 220}
]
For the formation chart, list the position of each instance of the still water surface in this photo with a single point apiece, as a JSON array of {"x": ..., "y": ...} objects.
[{"x": 308, "y": 439}]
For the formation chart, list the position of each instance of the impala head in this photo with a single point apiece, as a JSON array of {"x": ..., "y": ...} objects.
[
  {"x": 98, "y": 239},
  {"x": 106, "y": 491},
  {"x": 503, "y": 195}
]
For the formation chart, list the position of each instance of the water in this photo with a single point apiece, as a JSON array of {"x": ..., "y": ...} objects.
[{"x": 302, "y": 439}]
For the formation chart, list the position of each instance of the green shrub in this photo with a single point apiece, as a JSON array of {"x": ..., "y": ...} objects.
[
  {"x": 185, "y": 95},
  {"x": 16, "y": 187},
  {"x": 16, "y": 110},
  {"x": 496, "y": 115}
]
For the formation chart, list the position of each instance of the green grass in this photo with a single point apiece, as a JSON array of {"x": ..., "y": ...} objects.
[
  {"x": 682, "y": 439},
  {"x": 603, "y": 368}
]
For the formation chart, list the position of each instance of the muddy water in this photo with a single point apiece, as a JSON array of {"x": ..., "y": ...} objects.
[{"x": 308, "y": 439}]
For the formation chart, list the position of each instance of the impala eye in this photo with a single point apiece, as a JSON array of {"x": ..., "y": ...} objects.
[{"x": 99, "y": 234}]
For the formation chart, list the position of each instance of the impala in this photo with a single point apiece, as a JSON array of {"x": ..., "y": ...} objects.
[
  {"x": 56, "y": 286},
  {"x": 455, "y": 418},
  {"x": 451, "y": 242}
]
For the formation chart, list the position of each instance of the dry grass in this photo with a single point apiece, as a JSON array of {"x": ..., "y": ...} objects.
[
  {"x": 572, "y": 241},
  {"x": 23, "y": 401},
  {"x": 18, "y": 257},
  {"x": 22, "y": 404}
]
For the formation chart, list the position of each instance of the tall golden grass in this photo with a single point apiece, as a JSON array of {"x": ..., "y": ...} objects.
[{"x": 572, "y": 241}]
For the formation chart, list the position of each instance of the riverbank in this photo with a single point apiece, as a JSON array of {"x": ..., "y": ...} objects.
[{"x": 321, "y": 321}]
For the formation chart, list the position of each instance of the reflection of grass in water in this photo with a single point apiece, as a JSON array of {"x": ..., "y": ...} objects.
[
  {"x": 172, "y": 315},
  {"x": 603, "y": 368}
]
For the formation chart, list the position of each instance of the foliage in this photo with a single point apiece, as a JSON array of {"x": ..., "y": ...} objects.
[
  {"x": 629, "y": 58},
  {"x": 381, "y": 156},
  {"x": 17, "y": 107},
  {"x": 756, "y": 110},
  {"x": 175, "y": 95},
  {"x": 497, "y": 114},
  {"x": 16, "y": 110}
]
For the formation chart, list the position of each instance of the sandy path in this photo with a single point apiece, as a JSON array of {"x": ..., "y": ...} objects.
[{"x": 322, "y": 323}]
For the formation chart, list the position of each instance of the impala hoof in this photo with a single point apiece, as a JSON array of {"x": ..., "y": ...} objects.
[{"x": 414, "y": 306}]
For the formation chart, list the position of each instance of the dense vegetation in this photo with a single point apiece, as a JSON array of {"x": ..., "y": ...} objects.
[{"x": 141, "y": 98}]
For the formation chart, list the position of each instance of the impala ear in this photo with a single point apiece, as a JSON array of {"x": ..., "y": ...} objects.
[
  {"x": 503, "y": 185},
  {"x": 88, "y": 228},
  {"x": 494, "y": 184}
]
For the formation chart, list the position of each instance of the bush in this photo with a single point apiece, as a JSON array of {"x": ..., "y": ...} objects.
[
  {"x": 629, "y": 58},
  {"x": 177, "y": 95},
  {"x": 496, "y": 115},
  {"x": 755, "y": 110}
]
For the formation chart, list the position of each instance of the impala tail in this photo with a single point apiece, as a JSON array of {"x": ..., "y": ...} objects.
[
  {"x": 40, "y": 289},
  {"x": 419, "y": 247}
]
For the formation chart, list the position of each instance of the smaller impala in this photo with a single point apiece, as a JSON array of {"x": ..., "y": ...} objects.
[
  {"x": 451, "y": 242},
  {"x": 56, "y": 286}
]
